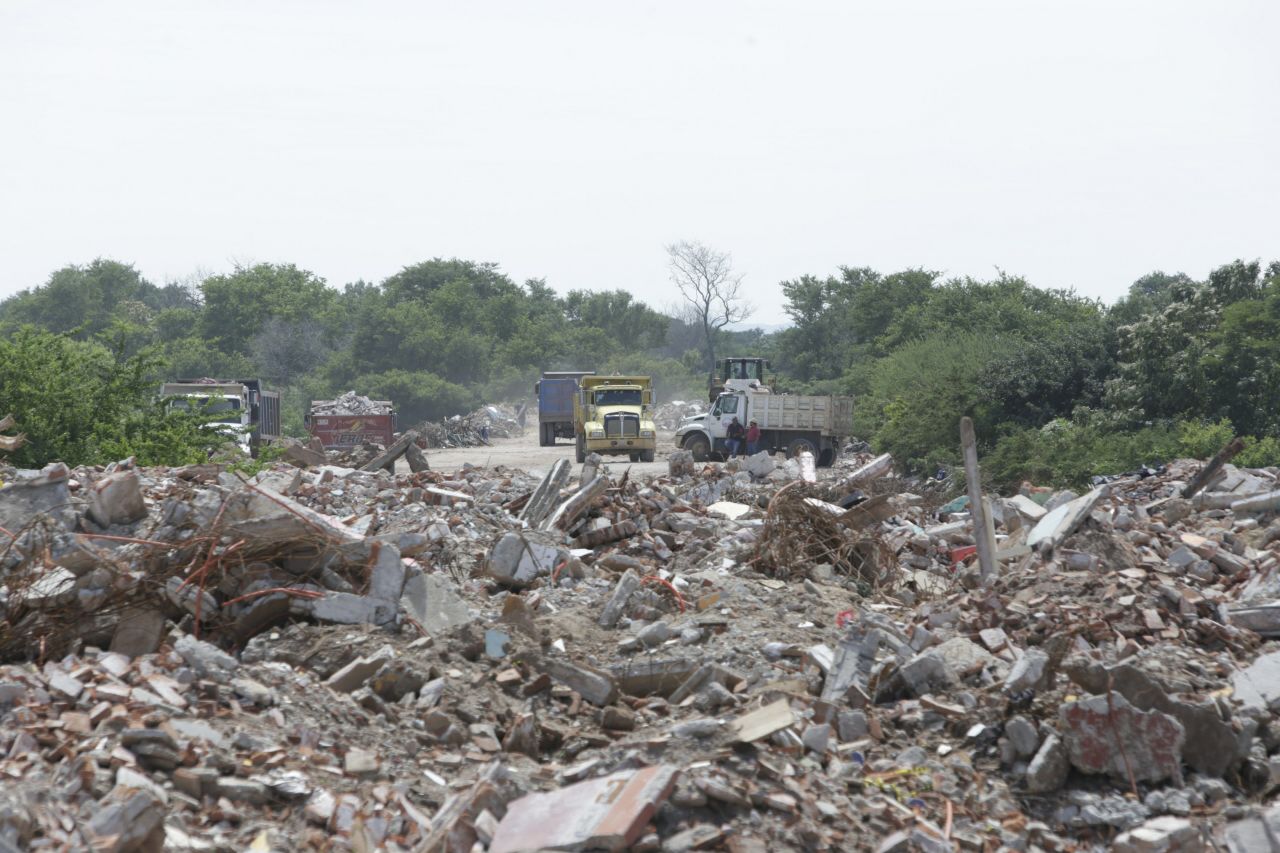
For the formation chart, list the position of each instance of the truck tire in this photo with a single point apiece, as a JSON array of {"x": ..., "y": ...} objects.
[
  {"x": 546, "y": 435},
  {"x": 647, "y": 456},
  {"x": 580, "y": 449},
  {"x": 698, "y": 445},
  {"x": 635, "y": 457},
  {"x": 800, "y": 445},
  {"x": 828, "y": 458}
]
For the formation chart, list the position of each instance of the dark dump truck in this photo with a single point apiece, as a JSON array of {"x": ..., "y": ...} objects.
[{"x": 556, "y": 391}]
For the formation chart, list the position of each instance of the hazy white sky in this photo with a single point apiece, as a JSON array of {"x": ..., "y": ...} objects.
[{"x": 1078, "y": 143}]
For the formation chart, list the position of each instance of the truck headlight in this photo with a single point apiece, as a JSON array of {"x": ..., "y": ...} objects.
[
  {"x": 596, "y": 433},
  {"x": 646, "y": 433}
]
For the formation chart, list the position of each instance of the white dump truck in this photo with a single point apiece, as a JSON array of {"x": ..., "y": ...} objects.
[
  {"x": 791, "y": 423},
  {"x": 247, "y": 413}
]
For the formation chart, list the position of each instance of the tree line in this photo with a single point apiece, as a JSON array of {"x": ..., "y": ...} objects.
[{"x": 1061, "y": 387}]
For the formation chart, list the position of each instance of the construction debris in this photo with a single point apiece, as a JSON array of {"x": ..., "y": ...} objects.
[
  {"x": 351, "y": 403},
  {"x": 719, "y": 657}
]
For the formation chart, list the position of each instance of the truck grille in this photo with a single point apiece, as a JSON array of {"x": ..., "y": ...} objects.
[{"x": 621, "y": 426}]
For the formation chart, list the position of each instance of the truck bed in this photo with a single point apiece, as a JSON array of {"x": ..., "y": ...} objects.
[{"x": 825, "y": 415}]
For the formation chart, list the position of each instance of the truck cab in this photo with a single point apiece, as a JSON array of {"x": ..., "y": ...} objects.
[
  {"x": 245, "y": 412},
  {"x": 613, "y": 415}
]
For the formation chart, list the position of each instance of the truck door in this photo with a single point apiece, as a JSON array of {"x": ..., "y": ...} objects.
[{"x": 724, "y": 411}]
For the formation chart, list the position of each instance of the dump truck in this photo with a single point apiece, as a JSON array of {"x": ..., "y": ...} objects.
[
  {"x": 792, "y": 423},
  {"x": 351, "y": 420},
  {"x": 613, "y": 415},
  {"x": 556, "y": 392},
  {"x": 247, "y": 413},
  {"x": 739, "y": 367}
]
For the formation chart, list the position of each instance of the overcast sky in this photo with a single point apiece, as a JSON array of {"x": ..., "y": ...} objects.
[{"x": 1081, "y": 144}]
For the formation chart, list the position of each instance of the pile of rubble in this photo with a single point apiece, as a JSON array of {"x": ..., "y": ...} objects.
[
  {"x": 668, "y": 416},
  {"x": 742, "y": 656},
  {"x": 471, "y": 430},
  {"x": 351, "y": 403}
]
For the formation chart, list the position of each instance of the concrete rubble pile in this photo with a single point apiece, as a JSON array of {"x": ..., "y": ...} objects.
[
  {"x": 668, "y": 416},
  {"x": 722, "y": 657},
  {"x": 502, "y": 421},
  {"x": 351, "y": 403}
]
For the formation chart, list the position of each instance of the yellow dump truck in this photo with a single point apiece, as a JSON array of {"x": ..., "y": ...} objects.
[{"x": 614, "y": 415}]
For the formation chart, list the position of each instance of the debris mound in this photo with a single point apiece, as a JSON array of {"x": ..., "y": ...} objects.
[
  {"x": 743, "y": 656},
  {"x": 351, "y": 403}
]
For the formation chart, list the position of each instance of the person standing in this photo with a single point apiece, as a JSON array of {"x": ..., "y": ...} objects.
[
  {"x": 734, "y": 435},
  {"x": 753, "y": 438}
]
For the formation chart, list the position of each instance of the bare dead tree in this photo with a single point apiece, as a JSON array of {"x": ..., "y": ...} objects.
[{"x": 708, "y": 283}]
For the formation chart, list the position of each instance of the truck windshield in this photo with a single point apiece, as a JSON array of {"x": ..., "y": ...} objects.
[
  {"x": 227, "y": 408},
  {"x": 726, "y": 405},
  {"x": 618, "y": 397}
]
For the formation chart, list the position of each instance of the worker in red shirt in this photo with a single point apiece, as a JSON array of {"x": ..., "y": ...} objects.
[{"x": 753, "y": 438}]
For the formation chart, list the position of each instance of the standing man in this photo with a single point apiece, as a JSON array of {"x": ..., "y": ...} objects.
[
  {"x": 753, "y": 438},
  {"x": 734, "y": 435}
]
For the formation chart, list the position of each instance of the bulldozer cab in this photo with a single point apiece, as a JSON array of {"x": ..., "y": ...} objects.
[{"x": 735, "y": 368}]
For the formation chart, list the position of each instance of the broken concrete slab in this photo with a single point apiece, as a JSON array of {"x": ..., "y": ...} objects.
[
  {"x": 360, "y": 670},
  {"x": 266, "y": 519},
  {"x": 1062, "y": 521},
  {"x": 764, "y": 721},
  {"x": 434, "y": 603},
  {"x": 1049, "y": 768},
  {"x": 1107, "y": 735},
  {"x": 607, "y": 813},
  {"x": 617, "y": 604},
  {"x": 519, "y": 558},
  {"x": 1026, "y": 507},
  {"x": 1212, "y": 744},
  {"x": 547, "y": 494},
  {"x": 138, "y": 631},
  {"x": 597, "y": 687},
  {"x": 117, "y": 499},
  {"x": 127, "y": 820},
  {"x": 728, "y": 509},
  {"x": 1164, "y": 834},
  {"x": 1258, "y": 685},
  {"x": 34, "y": 493}
]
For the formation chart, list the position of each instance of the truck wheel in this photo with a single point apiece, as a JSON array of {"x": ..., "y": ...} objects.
[
  {"x": 580, "y": 449},
  {"x": 800, "y": 445},
  {"x": 543, "y": 439},
  {"x": 647, "y": 456},
  {"x": 828, "y": 458},
  {"x": 635, "y": 457},
  {"x": 698, "y": 446}
]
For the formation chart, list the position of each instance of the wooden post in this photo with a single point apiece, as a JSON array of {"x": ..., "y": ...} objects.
[
  {"x": 1225, "y": 455},
  {"x": 983, "y": 533}
]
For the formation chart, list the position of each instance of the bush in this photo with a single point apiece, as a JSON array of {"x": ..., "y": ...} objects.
[
  {"x": 1068, "y": 453},
  {"x": 918, "y": 394},
  {"x": 82, "y": 404}
]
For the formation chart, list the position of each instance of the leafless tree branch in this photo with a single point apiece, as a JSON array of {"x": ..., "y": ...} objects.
[{"x": 706, "y": 280}]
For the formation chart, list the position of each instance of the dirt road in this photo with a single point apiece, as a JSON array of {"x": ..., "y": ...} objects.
[{"x": 523, "y": 452}]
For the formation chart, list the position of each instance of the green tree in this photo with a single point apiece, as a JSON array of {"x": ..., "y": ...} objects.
[{"x": 239, "y": 305}]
